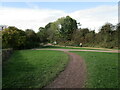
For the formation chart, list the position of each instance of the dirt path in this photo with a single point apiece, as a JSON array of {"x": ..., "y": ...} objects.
[
  {"x": 112, "y": 51},
  {"x": 73, "y": 76}
]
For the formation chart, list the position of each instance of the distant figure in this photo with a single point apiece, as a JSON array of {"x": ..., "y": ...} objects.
[
  {"x": 54, "y": 43},
  {"x": 80, "y": 44}
]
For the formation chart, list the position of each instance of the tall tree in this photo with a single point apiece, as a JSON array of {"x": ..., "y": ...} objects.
[{"x": 68, "y": 26}]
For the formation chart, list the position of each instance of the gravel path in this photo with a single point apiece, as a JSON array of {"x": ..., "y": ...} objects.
[
  {"x": 112, "y": 51},
  {"x": 74, "y": 75}
]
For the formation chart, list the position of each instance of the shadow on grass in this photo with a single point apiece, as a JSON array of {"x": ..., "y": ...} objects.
[
  {"x": 32, "y": 68},
  {"x": 17, "y": 72}
]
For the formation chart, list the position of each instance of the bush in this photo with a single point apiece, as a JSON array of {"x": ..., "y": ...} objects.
[{"x": 15, "y": 38}]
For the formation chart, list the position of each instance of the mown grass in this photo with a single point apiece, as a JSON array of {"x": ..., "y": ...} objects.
[
  {"x": 102, "y": 69},
  {"x": 32, "y": 68},
  {"x": 68, "y": 47}
]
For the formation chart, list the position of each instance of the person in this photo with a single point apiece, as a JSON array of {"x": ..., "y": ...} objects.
[
  {"x": 54, "y": 43},
  {"x": 80, "y": 44}
]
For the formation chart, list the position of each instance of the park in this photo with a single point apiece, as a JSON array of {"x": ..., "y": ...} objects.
[
  {"x": 38, "y": 68},
  {"x": 59, "y": 45},
  {"x": 61, "y": 56}
]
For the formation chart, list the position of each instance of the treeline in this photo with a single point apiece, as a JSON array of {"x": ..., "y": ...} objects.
[
  {"x": 107, "y": 37},
  {"x": 15, "y": 38},
  {"x": 64, "y": 31}
]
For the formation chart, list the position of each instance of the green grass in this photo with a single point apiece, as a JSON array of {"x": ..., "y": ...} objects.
[
  {"x": 68, "y": 47},
  {"x": 102, "y": 69},
  {"x": 33, "y": 68}
]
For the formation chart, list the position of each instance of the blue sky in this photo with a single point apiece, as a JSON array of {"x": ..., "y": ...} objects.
[
  {"x": 66, "y": 6},
  {"x": 32, "y": 15}
]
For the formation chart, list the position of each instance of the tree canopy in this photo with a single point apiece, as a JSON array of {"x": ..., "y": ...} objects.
[{"x": 63, "y": 31}]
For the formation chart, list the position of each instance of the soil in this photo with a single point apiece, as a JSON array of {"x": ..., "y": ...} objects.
[{"x": 73, "y": 76}]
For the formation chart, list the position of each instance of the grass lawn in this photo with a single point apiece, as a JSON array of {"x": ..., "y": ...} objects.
[
  {"x": 32, "y": 68},
  {"x": 70, "y": 47},
  {"x": 102, "y": 69}
]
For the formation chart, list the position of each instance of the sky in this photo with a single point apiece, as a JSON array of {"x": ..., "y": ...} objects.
[{"x": 32, "y": 15}]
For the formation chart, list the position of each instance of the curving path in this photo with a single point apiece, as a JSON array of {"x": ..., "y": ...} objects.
[{"x": 74, "y": 75}]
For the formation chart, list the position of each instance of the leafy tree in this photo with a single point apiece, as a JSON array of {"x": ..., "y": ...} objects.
[
  {"x": 106, "y": 32},
  {"x": 42, "y": 35},
  {"x": 107, "y": 36},
  {"x": 32, "y": 39},
  {"x": 63, "y": 31},
  {"x": 79, "y": 36},
  {"x": 14, "y": 38},
  {"x": 68, "y": 26},
  {"x": 52, "y": 31},
  {"x": 117, "y": 35},
  {"x": 90, "y": 38},
  {"x": 60, "y": 30}
]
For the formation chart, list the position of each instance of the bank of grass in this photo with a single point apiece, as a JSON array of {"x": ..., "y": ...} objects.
[
  {"x": 71, "y": 47},
  {"x": 32, "y": 68},
  {"x": 102, "y": 69}
]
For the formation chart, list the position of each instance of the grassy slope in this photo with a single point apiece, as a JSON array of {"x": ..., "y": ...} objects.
[
  {"x": 102, "y": 69},
  {"x": 32, "y": 68}
]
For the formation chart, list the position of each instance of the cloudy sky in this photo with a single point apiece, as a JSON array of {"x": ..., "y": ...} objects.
[{"x": 32, "y": 15}]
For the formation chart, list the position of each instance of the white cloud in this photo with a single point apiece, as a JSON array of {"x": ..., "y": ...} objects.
[
  {"x": 34, "y": 18},
  {"x": 94, "y": 18},
  {"x": 28, "y": 18}
]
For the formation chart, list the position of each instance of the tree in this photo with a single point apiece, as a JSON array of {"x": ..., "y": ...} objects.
[
  {"x": 107, "y": 36},
  {"x": 31, "y": 35},
  {"x": 117, "y": 35},
  {"x": 60, "y": 30},
  {"x": 52, "y": 31},
  {"x": 14, "y": 38},
  {"x": 79, "y": 36},
  {"x": 68, "y": 26},
  {"x": 90, "y": 38},
  {"x": 32, "y": 39},
  {"x": 42, "y": 35}
]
